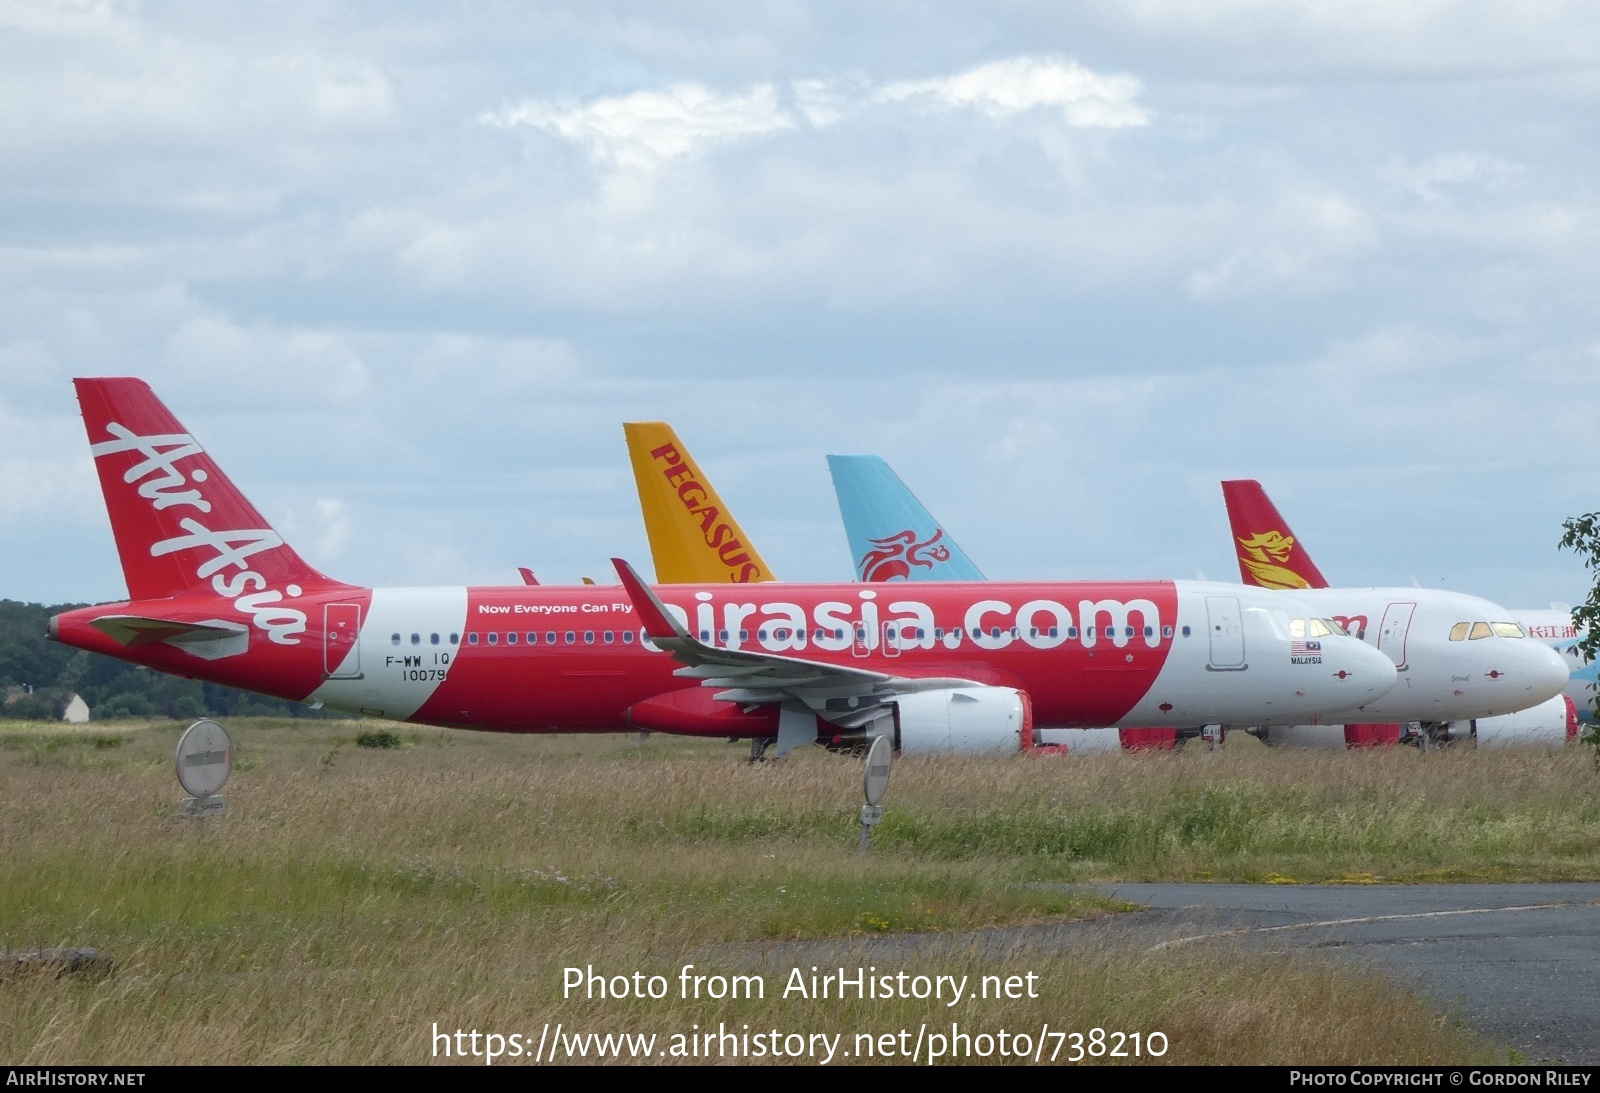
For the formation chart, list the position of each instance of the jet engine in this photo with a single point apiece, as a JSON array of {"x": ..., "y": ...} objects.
[
  {"x": 964, "y": 720},
  {"x": 1547, "y": 725}
]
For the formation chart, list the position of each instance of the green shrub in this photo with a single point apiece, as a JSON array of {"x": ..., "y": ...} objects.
[{"x": 378, "y": 738}]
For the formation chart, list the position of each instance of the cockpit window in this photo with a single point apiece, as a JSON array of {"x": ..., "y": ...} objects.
[
  {"x": 1507, "y": 630},
  {"x": 1314, "y": 628},
  {"x": 1458, "y": 632},
  {"x": 1480, "y": 630}
]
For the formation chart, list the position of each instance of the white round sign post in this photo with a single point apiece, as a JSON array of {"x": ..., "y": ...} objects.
[
  {"x": 204, "y": 760},
  {"x": 874, "y": 782}
]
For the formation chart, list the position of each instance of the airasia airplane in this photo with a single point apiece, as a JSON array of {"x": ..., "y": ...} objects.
[
  {"x": 1512, "y": 684},
  {"x": 216, "y": 594},
  {"x": 1441, "y": 679}
]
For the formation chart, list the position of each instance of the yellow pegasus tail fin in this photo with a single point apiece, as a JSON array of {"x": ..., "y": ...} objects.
[{"x": 693, "y": 537}]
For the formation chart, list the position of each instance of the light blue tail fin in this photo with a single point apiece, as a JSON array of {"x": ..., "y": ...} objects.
[{"x": 891, "y": 535}]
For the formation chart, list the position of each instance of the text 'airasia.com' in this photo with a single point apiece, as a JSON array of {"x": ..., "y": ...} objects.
[{"x": 927, "y": 1042}]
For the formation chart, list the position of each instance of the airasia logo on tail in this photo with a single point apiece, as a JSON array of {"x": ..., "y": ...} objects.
[
  {"x": 165, "y": 485},
  {"x": 897, "y": 553}
]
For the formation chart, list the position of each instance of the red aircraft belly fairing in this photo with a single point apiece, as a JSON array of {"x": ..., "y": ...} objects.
[{"x": 216, "y": 594}]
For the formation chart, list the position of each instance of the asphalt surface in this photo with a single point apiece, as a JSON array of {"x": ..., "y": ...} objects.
[{"x": 1518, "y": 962}]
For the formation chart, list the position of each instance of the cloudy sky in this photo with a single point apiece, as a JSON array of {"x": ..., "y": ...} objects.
[{"x": 405, "y": 270}]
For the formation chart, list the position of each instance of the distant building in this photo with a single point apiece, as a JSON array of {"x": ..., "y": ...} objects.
[{"x": 77, "y": 711}]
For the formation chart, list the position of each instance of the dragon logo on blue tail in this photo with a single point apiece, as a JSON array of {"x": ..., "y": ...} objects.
[{"x": 896, "y": 554}]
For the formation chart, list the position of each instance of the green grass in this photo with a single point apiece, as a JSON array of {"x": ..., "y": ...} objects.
[{"x": 351, "y": 896}]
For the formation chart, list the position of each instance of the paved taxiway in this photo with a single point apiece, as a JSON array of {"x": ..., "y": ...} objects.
[{"x": 1518, "y": 962}]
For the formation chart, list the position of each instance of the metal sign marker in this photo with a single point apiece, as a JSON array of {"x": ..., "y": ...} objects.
[
  {"x": 874, "y": 781},
  {"x": 204, "y": 759}
]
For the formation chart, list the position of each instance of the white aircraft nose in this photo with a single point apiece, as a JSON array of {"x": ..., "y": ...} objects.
[
  {"x": 1545, "y": 672},
  {"x": 1367, "y": 673}
]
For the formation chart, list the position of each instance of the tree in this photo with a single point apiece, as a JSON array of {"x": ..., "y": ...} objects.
[{"x": 1582, "y": 537}]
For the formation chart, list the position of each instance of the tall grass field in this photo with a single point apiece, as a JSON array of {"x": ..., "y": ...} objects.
[{"x": 371, "y": 887}]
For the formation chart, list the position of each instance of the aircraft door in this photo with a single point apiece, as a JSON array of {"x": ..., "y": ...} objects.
[
  {"x": 1392, "y": 633},
  {"x": 341, "y": 645},
  {"x": 891, "y": 639},
  {"x": 1226, "y": 628}
]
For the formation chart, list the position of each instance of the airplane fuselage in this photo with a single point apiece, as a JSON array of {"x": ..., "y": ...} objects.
[
  {"x": 574, "y": 659},
  {"x": 1452, "y": 663}
]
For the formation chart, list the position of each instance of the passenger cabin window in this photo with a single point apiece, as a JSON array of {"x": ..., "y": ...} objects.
[
  {"x": 533, "y": 637},
  {"x": 416, "y": 639},
  {"x": 472, "y": 639},
  {"x": 455, "y": 639},
  {"x": 494, "y": 638},
  {"x": 511, "y": 637},
  {"x": 433, "y": 639},
  {"x": 550, "y": 637},
  {"x": 394, "y": 639},
  {"x": 572, "y": 637}
]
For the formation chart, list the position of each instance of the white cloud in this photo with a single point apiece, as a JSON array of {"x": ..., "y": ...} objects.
[
  {"x": 647, "y": 128},
  {"x": 1439, "y": 177},
  {"x": 265, "y": 365},
  {"x": 1086, "y": 99},
  {"x": 37, "y": 485},
  {"x": 1303, "y": 246},
  {"x": 821, "y": 101}
]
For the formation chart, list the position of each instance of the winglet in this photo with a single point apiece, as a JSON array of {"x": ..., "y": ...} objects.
[{"x": 658, "y": 621}]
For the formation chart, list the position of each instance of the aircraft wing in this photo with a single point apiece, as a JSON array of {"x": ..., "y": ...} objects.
[{"x": 845, "y": 696}]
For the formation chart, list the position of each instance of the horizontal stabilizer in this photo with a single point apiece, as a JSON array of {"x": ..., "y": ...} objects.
[{"x": 209, "y": 640}]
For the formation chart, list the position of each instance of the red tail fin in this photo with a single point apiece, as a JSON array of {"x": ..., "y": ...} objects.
[
  {"x": 180, "y": 524},
  {"x": 1269, "y": 555}
]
